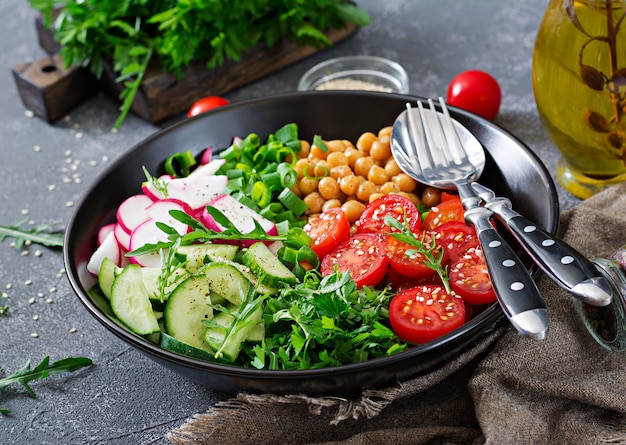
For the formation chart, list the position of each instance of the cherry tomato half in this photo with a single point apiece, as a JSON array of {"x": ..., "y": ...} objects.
[
  {"x": 412, "y": 265},
  {"x": 456, "y": 237},
  {"x": 423, "y": 313},
  {"x": 363, "y": 254},
  {"x": 372, "y": 219},
  {"x": 327, "y": 230},
  {"x": 205, "y": 104},
  {"x": 449, "y": 210},
  {"x": 470, "y": 280},
  {"x": 475, "y": 91}
]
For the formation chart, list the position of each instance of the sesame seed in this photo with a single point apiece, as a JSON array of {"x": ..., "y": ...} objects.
[
  {"x": 37, "y": 148},
  {"x": 105, "y": 158},
  {"x": 67, "y": 181},
  {"x": 24, "y": 253},
  {"x": 69, "y": 203},
  {"x": 38, "y": 253},
  {"x": 114, "y": 130},
  {"x": 34, "y": 335},
  {"x": 67, "y": 118},
  {"x": 40, "y": 294},
  {"x": 9, "y": 285},
  {"x": 52, "y": 187},
  {"x": 24, "y": 211},
  {"x": 29, "y": 114},
  {"x": 76, "y": 125},
  {"x": 49, "y": 301},
  {"x": 28, "y": 282},
  {"x": 35, "y": 317},
  {"x": 31, "y": 301},
  {"x": 79, "y": 135},
  {"x": 72, "y": 330},
  {"x": 52, "y": 290},
  {"x": 68, "y": 152}
]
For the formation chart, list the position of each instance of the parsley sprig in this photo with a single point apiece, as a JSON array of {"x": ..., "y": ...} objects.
[
  {"x": 422, "y": 246},
  {"x": 132, "y": 34},
  {"x": 44, "y": 369}
]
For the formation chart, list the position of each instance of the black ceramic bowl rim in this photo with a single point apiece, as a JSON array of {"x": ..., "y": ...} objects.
[{"x": 348, "y": 378}]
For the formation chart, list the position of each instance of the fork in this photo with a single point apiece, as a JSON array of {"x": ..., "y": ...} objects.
[{"x": 443, "y": 162}]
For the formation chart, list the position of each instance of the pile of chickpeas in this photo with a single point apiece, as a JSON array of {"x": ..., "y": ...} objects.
[{"x": 351, "y": 175}]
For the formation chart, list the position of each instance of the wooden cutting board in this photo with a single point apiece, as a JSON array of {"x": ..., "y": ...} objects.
[{"x": 51, "y": 91}]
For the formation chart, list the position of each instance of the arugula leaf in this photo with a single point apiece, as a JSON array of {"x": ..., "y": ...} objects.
[
  {"x": 39, "y": 235},
  {"x": 44, "y": 369}
]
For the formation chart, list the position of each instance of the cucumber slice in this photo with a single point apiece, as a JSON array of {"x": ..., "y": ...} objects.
[
  {"x": 175, "y": 345},
  {"x": 226, "y": 280},
  {"x": 228, "y": 332},
  {"x": 106, "y": 276},
  {"x": 198, "y": 255},
  {"x": 151, "y": 281},
  {"x": 130, "y": 302},
  {"x": 267, "y": 267},
  {"x": 186, "y": 309}
]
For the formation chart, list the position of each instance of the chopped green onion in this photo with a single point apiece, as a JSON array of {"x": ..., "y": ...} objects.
[
  {"x": 292, "y": 202},
  {"x": 319, "y": 142},
  {"x": 261, "y": 194},
  {"x": 179, "y": 164},
  {"x": 287, "y": 133}
]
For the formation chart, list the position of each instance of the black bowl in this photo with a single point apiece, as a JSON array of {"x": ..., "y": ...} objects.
[{"x": 512, "y": 170}]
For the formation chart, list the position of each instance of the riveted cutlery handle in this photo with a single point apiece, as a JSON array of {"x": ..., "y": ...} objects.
[
  {"x": 564, "y": 264},
  {"x": 516, "y": 291}
]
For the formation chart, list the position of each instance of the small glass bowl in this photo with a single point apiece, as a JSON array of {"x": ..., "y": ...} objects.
[{"x": 367, "y": 73}]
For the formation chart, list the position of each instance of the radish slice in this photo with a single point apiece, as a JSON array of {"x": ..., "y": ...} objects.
[
  {"x": 146, "y": 233},
  {"x": 208, "y": 169},
  {"x": 108, "y": 249},
  {"x": 104, "y": 231},
  {"x": 131, "y": 212},
  {"x": 153, "y": 192},
  {"x": 122, "y": 236},
  {"x": 160, "y": 211},
  {"x": 207, "y": 156},
  {"x": 196, "y": 190},
  {"x": 240, "y": 215}
]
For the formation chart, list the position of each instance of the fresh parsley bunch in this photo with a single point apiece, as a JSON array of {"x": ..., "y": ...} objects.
[{"x": 131, "y": 33}]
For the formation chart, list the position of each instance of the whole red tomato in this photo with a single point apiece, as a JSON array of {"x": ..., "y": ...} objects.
[
  {"x": 475, "y": 91},
  {"x": 205, "y": 104}
]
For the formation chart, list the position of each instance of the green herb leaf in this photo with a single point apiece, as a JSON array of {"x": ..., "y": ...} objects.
[
  {"x": 44, "y": 369},
  {"x": 40, "y": 235}
]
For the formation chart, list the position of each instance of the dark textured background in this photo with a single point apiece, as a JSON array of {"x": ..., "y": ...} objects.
[{"x": 125, "y": 398}]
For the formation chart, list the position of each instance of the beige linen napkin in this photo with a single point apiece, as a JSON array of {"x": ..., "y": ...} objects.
[{"x": 505, "y": 390}]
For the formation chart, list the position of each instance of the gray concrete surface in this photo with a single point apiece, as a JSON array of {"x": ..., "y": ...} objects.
[{"x": 125, "y": 398}]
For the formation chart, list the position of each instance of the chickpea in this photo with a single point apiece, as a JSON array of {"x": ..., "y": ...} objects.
[
  {"x": 414, "y": 198},
  {"x": 352, "y": 154},
  {"x": 305, "y": 148},
  {"x": 362, "y": 166},
  {"x": 385, "y": 132},
  {"x": 321, "y": 169},
  {"x": 375, "y": 196},
  {"x": 303, "y": 167},
  {"x": 348, "y": 144},
  {"x": 314, "y": 203},
  {"x": 364, "y": 143},
  {"x": 379, "y": 151},
  {"x": 389, "y": 187},
  {"x": 349, "y": 184},
  {"x": 365, "y": 190},
  {"x": 328, "y": 187},
  {"x": 331, "y": 204},
  {"x": 296, "y": 190},
  {"x": 353, "y": 209},
  {"x": 405, "y": 182},
  {"x": 392, "y": 168},
  {"x": 377, "y": 175},
  {"x": 336, "y": 158},
  {"x": 336, "y": 146},
  {"x": 307, "y": 185},
  {"x": 431, "y": 196},
  {"x": 317, "y": 153},
  {"x": 340, "y": 171}
]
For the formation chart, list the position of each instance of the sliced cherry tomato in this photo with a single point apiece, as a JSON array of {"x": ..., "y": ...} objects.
[
  {"x": 475, "y": 91},
  {"x": 372, "y": 219},
  {"x": 399, "y": 282},
  {"x": 446, "y": 195},
  {"x": 327, "y": 230},
  {"x": 470, "y": 280},
  {"x": 205, "y": 104},
  {"x": 363, "y": 254},
  {"x": 423, "y": 313},
  {"x": 456, "y": 237},
  {"x": 412, "y": 265},
  {"x": 449, "y": 210}
]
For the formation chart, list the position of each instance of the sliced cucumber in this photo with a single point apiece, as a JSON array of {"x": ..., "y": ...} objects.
[
  {"x": 198, "y": 255},
  {"x": 130, "y": 302},
  {"x": 186, "y": 309},
  {"x": 267, "y": 267},
  {"x": 228, "y": 331},
  {"x": 175, "y": 345},
  {"x": 151, "y": 277},
  {"x": 226, "y": 280},
  {"x": 106, "y": 275}
]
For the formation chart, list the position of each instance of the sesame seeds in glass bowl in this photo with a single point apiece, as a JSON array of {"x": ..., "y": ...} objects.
[{"x": 366, "y": 73}]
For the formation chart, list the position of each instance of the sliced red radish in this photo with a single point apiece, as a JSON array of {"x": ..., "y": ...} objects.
[
  {"x": 108, "y": 249},
  {"x": 153, "y": 192},
  {"x": 207, "y": 156},
  {"x": 197, "y": 190},
  {"x": 160, "y": 211},
  {"x": 131, "y": 212},
  {"x": 122, "y": 236},
  {"x": 104, "y": 231},
  {"x": 240, "y": 215},
  {"x": 147, "y": 233},
  {"x": 208, "y": 169}
]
